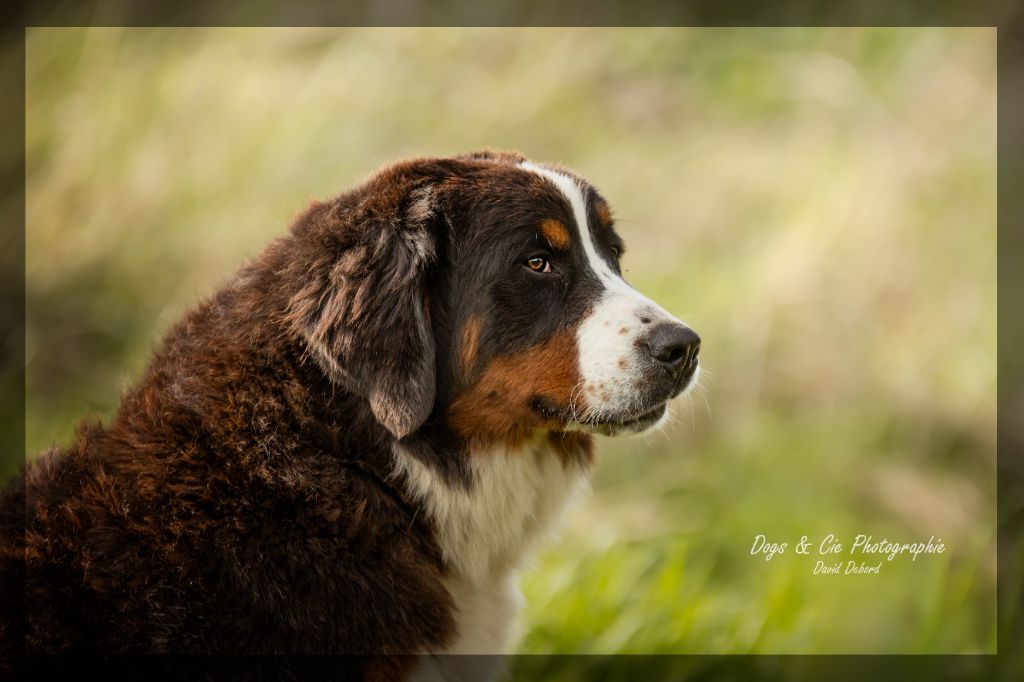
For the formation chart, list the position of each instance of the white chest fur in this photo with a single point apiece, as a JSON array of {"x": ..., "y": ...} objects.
[{"x": 487, "y": 529}]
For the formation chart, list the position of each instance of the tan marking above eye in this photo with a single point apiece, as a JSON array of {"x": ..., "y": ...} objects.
[
  {"x": 604, "y": 214},
  {"x": 556, "y": 234}
]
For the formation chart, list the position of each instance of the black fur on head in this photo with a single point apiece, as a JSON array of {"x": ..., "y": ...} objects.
[
  {"x": 362, "y": 310},
  {"x": 370, "y": 308}
]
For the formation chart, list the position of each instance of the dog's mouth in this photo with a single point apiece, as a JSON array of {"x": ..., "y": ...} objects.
[
  {"x": 631, "y": 424},
  {"x": 608, "y": 424},
  {"x": 636, "y": 420}
]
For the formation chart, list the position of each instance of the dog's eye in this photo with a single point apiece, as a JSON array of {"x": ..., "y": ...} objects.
[
  {"x": 616, "y": 251},
  {"x": 539, "y": 264}
]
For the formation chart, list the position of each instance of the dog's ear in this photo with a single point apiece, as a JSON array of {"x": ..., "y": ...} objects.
[{"x": 363, "y": 308}]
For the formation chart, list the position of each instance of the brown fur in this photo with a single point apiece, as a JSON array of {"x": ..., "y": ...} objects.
[
  {"x": 470, "y": 342},
  {"x": 242, "y": 500},
  {"x": 604, "y": 214},
  {"x": 496, "y": 408},
  {"x": 556, "y": 234}
]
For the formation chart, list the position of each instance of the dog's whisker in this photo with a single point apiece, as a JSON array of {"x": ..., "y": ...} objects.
[
  {"x": 704, "y": 395},
  {"x": 704, "y": 372}
]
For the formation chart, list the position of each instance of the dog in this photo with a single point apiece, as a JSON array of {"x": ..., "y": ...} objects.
[{"x": 351, "y": 447}]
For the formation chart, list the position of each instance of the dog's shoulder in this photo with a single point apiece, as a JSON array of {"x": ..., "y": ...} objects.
[{"x": 236, "y": 503}]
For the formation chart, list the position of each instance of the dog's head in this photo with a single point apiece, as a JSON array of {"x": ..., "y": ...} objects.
[{"x": 484, "y": 293}]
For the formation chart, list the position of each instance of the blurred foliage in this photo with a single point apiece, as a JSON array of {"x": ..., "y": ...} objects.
[{"x": 818, "y": 203}]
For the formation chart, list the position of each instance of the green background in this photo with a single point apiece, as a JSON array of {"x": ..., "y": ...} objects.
[{"x": 819, "y": 204}]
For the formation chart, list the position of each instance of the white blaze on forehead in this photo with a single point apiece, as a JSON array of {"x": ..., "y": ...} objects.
[
  {"x": 571, "y": 191},
  {"x": 609, "y": 362},
  {"x": 574, "y": 196}
]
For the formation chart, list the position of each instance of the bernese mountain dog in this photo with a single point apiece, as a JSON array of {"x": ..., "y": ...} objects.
[{"x": 351, "y": 447}]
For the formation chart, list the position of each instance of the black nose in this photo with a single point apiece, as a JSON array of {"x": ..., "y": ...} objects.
[{"x": 675, "y": 346}]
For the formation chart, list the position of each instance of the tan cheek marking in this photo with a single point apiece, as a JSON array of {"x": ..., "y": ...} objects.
[
  {"x": 470, "y": 342},
  {"x": 603, "y": 213},
  {"x": 556, "y": 234},
  {"x": 497, "y": 406}
]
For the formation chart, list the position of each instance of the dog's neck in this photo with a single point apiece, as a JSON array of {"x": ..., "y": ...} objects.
[{"x": 512, "y": 498}]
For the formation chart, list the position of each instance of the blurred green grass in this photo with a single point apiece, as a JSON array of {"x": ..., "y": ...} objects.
[{"x": 818, "y": 203}]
